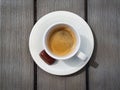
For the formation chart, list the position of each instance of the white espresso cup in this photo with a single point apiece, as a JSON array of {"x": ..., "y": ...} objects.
[{"x": 75, "y": 50}]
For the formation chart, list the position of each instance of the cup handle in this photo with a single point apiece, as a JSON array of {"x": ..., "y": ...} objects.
[{"x": 81, "y": 56}]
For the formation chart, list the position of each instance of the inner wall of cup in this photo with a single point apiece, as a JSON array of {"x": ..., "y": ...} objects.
[{"x": 48, "y": 35}]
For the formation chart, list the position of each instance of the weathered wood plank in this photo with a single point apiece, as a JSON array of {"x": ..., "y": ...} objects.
[
  {"x": 51, "y": 82},
  {"x": 104, "y": 18},
  {"x": 16, "y": 65}
]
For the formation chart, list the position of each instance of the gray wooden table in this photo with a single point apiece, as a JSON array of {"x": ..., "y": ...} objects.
[{"x": 19, "y": 72}]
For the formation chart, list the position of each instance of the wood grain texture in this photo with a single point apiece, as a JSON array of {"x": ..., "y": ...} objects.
[
  {"x": 51, "y": 82},
  {"x": 16, "y": 65},
  {"x": 104, "y": 19}
]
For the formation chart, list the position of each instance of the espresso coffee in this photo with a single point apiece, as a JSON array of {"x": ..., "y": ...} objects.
[{"x": 61, "y": 41}]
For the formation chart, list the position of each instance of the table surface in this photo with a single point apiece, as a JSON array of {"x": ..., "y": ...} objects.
[{"x": 17, "y": 68}]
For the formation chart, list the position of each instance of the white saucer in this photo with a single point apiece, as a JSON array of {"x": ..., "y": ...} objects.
[{"x": 61, "y": 67}]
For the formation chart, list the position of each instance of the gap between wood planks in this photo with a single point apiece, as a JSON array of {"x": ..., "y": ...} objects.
[{"x": 34, "y": 20}]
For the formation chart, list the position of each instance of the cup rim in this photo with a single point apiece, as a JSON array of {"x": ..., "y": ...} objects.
[{"x": 61, "y": 57}]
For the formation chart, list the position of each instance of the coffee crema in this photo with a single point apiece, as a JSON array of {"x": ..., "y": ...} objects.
[{"x": 61, "y": 41}]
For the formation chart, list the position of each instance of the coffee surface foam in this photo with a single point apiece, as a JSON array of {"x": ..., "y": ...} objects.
[{"x": 62, "y": 41}]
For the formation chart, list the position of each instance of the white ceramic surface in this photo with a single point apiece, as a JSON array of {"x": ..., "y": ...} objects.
[{"x": 68, "y": 66}]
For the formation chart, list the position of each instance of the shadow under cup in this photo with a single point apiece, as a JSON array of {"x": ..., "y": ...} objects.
[{"x": 61, "y": 41}]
